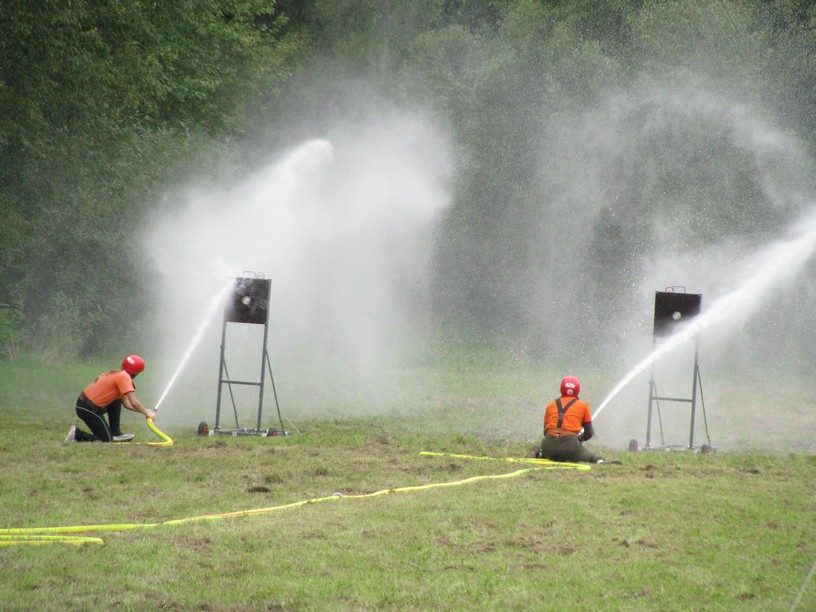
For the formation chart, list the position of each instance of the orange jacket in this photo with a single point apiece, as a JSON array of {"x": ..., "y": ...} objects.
[
  {"x": 574, "y": 418},
  {"x": 109, "y": 387}
]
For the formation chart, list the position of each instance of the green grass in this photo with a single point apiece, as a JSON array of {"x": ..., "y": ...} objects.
[{"x": 669, "y": 531}]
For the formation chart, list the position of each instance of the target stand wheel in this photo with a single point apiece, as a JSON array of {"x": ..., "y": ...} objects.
[
  {"x": 633, "y": 445},
  {"x": 706, "y": 449},
  {"x": 203, "y": 429}
]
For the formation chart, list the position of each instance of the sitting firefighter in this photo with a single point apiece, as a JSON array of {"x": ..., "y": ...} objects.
[{"x": 567, "y": 425}]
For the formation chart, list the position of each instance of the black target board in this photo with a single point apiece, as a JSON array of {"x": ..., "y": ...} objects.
[
  {"x": 249, "y": 302},
  {"x": 673, "y": 308}
]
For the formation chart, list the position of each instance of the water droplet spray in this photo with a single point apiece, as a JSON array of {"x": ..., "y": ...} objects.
[
  {"x": 215, "y": 306},
  {"x": 775, "y": 266}
]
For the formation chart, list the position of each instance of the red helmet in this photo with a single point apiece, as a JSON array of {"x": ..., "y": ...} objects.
[
  {"x": 570, "y": 386},
  {"x": 133, "y": 364}
]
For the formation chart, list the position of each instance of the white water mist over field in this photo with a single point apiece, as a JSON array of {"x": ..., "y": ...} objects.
[
  {"x": 343, "y": 227},
  {"x": 772, "y": 269},
  {"x": 662, "y": 186},
  {"x": 730, "y": 192}
]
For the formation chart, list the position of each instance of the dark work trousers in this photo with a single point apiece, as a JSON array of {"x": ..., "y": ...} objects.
[
  {"x": 94, "y": 418},
  {"x": 566, "y": 448}
]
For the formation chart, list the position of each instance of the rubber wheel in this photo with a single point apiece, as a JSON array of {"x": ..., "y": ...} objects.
[
  {"x": 203, "y": 429},
  {"x": 705, "y": 449},
  {"x": 633, "y": 445},
  {"x": 272, "y": 433}
]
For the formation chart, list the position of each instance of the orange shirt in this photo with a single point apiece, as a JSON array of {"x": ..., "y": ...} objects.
[
  {"x": 574, "y": 418},
  {"x": 109, "y": 387}
]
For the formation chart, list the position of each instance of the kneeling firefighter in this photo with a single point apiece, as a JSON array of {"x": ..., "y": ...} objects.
[
  {"x": 567, "y": 424},
  {"x": 105, "y": 396}
]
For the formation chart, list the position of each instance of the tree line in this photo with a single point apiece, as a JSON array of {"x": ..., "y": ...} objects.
[{"x": 104, "y": 104}]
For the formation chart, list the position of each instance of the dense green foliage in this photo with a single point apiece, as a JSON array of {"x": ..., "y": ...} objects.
[{"x": 104, "y": 105}]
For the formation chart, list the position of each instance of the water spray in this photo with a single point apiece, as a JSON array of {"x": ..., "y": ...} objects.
[
  {"x": 214, "y": 306},
  {"x": 317, "y": 219},
  {"x": 773, "y": 267},
  {"x": 208, "y": 315}
]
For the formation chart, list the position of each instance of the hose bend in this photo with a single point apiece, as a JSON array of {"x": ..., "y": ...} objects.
[{"x": 165, "y": 439}]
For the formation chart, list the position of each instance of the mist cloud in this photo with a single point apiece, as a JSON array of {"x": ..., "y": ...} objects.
[{"x": 343, "y": 226}]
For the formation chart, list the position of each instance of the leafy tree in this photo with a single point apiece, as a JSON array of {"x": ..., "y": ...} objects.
[
  {"x": 620, "y": 117},
  {"x": 97, "y": 101}
]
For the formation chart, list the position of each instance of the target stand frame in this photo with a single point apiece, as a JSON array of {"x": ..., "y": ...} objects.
[
  {"x": 249, "y": 305},
  {"x": 671, "y": 308}
]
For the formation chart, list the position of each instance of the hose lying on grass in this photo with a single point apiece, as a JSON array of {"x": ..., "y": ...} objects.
[
  {"x": 51, "y": 535},
  {"x": 545, "y": 463}
]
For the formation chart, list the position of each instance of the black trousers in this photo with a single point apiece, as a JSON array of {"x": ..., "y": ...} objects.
[
  {"x": 566, "y": 448},
  {"x": 103, "y": 429}
]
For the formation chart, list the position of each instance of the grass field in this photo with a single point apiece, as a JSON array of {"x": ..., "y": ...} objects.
[{"x": 665, "y": 530}]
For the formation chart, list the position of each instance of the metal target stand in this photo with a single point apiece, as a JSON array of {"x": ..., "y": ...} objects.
[
  {"x": 248, "y": 305},
  {"x": 671, "y": 308}
]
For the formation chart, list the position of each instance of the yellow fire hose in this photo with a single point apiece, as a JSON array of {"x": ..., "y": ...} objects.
[
  {"x": 49, "y": 535},
  {"x": 544, "y": 463},
  {"x": 166, "y": 440}
]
